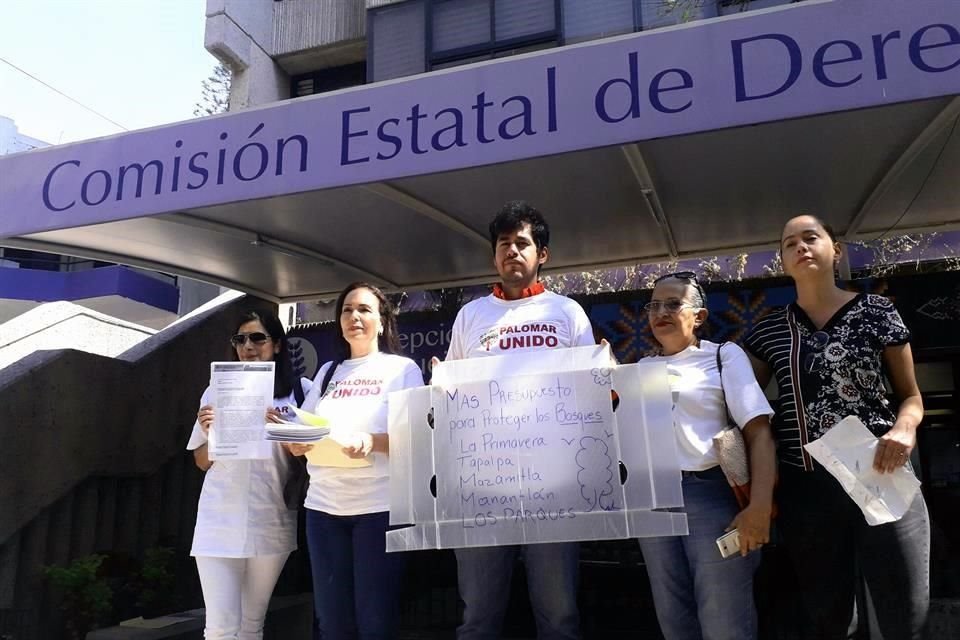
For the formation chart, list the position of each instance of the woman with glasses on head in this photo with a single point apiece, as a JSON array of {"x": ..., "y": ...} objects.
[
  {"x": 356, "y": 583},
  {"x": 244, "y": 531},
  {"x": 698, "y": 594},
  {"x": 829, "y": 351}
]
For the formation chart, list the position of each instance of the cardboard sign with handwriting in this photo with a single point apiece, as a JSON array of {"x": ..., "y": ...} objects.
[{"x": 545, "y": 446}]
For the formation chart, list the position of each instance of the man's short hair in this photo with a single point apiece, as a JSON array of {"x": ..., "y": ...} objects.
[{"x": 513, "y": 216}]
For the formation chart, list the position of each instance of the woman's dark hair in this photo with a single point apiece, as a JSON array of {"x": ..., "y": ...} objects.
[
  {"x": 283, "y": 377},
  {"x": 826, "y": 227},
  {"x": 388, "y": 341},
  {"x": 513, "y": 216}
]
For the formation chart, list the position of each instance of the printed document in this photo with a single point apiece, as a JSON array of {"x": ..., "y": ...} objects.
[{"x": 242, "y": 393}]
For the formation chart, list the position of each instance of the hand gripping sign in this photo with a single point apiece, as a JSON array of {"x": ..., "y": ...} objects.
[{"x": 546, "y": 446}]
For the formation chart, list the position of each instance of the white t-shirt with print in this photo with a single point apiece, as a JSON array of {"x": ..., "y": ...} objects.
[
  {"x": 490, "y": 326},
  {"x": 356, "y": 401},
  {"x": 241, "y": 512},
  {"x": 698, "y": 400}
]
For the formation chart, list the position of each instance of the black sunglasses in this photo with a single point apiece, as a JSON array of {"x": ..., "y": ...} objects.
[
  {"x": 690, "y": 277},
  {"x": 257, "y": 338}
]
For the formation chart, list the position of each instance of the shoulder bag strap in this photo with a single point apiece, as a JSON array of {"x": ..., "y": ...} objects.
[
  {"x": 327, "y": 377},
  {"x": 298, "y": 392},
  {"x": 730, "y": 423}
]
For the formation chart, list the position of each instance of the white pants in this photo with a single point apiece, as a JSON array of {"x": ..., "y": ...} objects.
[{"x": 236, "y": 593}]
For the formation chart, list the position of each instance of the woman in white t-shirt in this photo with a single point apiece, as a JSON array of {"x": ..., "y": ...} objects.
[
  {"x": 244, "y": 530},
  {"x": 698, "y": 593},
  {"x": 356, "y": 583}
]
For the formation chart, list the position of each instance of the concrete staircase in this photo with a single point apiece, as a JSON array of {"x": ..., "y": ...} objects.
[{"x": 93, "y": 447}]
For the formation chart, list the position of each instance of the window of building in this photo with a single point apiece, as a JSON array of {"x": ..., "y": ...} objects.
[
  {"x": 591, "y": 19},
  {"x": 422, "y": 35},
  {"x": 330, "y": 79},
  {"x": 396, "y": 40},
  {"x": 467, "y": 30}
]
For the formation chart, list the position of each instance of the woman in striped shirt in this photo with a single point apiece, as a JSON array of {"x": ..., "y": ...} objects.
[{"x": 828, "y": 352}]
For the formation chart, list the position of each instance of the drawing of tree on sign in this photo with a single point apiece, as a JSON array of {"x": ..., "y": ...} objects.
[{"x": 596, "y": 474}]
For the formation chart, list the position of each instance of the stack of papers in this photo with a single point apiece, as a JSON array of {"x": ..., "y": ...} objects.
[{"x": 289, "y": 432}]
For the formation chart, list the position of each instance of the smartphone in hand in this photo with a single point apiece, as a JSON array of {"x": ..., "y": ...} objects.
[{"x": 729, "y": 543}]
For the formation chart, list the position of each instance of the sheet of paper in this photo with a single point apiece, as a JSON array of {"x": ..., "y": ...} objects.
[
  {"x": 328, "y": 453},
  {"x": 847, "y": 452},
  {"x": 242, "y": 393}
]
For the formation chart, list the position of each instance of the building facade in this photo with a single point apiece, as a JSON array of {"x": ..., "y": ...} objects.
[{"x": 292, "y": 48}]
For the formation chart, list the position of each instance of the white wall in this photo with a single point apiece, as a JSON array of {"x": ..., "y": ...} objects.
[{"x": 240, "y": 34}]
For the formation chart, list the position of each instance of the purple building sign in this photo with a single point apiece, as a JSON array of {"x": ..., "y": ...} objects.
[{"x": 812, "y": 58}]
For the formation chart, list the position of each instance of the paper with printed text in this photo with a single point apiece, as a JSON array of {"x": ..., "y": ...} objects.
[{"x": 242, "y": 393}]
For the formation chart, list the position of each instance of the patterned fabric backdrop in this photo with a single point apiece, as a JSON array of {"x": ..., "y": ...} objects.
[{"x": 929, "y": 304}]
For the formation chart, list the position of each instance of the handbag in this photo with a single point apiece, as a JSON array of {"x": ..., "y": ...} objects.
[
  {"x": 731, "y": 451},
  {"x": 298, "y": 480}
]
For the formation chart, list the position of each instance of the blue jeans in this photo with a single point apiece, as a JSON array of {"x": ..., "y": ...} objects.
[
  {"x": 697, "y": 593},
  {"x": 824, "y": 533},
  {"x": 553, "y": 570},
  {"x": 356, "y": 583}
]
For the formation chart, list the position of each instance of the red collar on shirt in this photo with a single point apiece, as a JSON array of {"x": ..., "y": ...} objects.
[{"x": 529, "y": 292}]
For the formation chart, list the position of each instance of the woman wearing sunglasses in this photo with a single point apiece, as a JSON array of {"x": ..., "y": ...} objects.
[
  {"x": 244, "y": 530},
  {"x": 697, "y": 593},
  {"x": 356, "y": 582},
  {"x": 829, "y": 351}
]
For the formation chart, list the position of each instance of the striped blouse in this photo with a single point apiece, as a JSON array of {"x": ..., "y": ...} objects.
[{"x": 824, "y": 375}]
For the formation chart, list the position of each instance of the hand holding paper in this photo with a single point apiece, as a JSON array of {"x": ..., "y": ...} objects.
[
  {"x": 205, "y": 418},
  {"x": 848, "y": 451},
  {"x": 357, "y": 445},
  {"x": 894, "y": 448},
  {"x": 323, "y": 446},
  {"x": 296, "y": 449},
  {"x": 329, "y": 453}
]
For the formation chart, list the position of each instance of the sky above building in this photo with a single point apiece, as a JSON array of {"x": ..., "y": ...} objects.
[{"x": 139, "y": 63}]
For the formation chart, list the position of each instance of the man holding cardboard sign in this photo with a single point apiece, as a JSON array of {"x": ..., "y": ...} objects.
[{"x": 520, "y": 315}]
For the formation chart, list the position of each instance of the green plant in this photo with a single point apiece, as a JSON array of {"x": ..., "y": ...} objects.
[
  {"x": 155, "y": 582},
  {"x": 87, "y": 598}
]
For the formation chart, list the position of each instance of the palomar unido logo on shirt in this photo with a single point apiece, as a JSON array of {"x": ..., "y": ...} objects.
[
  {"x": 357, "y": 387},
  {"x": 521, "y": 336}
]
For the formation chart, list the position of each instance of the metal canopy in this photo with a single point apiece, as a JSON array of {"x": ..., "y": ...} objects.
[
  {"x": 721, "y": 191},
  {"x": 647, "y": 190}
]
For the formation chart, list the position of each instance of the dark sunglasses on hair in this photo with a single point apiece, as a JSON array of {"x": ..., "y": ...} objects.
[
  {"x": 257, "y": 338},
  {"x": 690, "y": 277}
]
